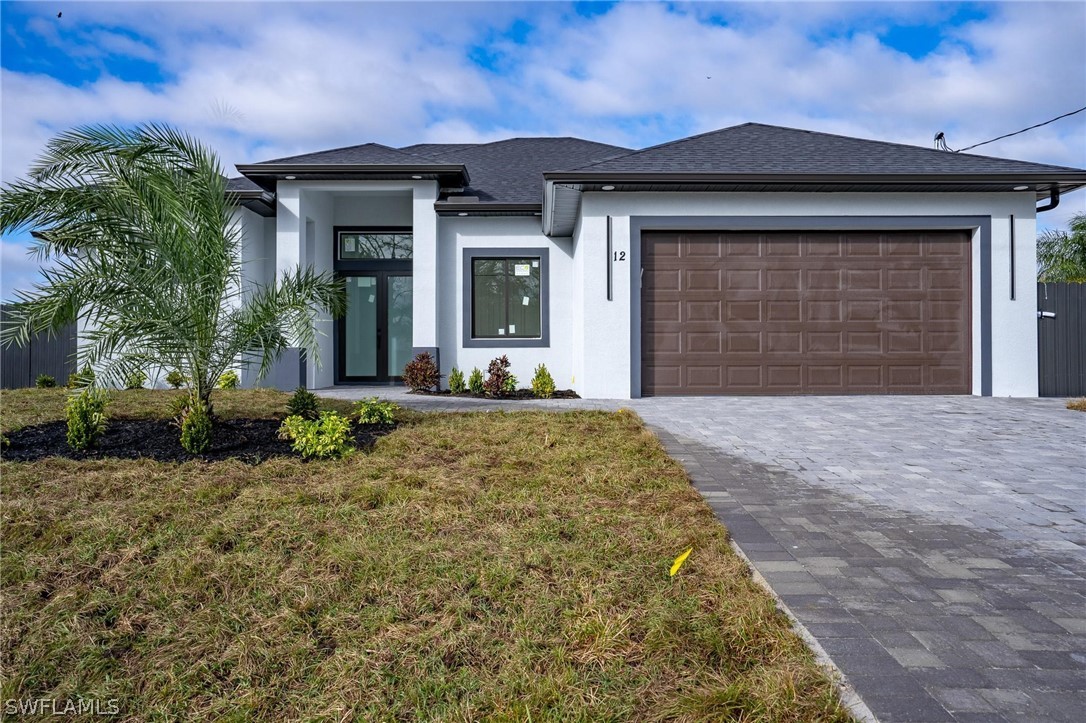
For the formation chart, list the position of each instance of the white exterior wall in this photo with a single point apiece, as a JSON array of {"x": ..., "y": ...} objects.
[
  {"x": 456, "y": 234},
  {"x": 606, "y": 337}
]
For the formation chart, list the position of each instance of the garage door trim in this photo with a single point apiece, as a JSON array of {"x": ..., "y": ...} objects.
[{"x": 975, "y": 224}]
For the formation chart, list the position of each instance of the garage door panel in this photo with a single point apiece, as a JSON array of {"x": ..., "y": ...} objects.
[{"x": 818, "y": 312}]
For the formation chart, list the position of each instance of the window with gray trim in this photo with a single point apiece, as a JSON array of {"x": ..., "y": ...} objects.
[{"x": 505, "y": 297}]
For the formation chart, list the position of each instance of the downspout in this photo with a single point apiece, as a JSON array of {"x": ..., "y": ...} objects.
[{"x": 1053, "y": 199}]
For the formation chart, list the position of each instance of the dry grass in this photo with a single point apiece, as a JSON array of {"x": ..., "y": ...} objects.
[
  {"x": 476, "y": 566},
  {"x": 1077, "y": 404}
]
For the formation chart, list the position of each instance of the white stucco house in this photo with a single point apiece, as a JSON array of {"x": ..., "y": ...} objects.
[{"x": 749, "y": 260}]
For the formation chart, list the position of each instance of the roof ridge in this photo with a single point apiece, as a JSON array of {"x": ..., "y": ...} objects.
[
  {"x": 340, "y": 148},
  {"x": 665, "y": 144}
]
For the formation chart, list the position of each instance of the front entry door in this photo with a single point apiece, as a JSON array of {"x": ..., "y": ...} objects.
[{"x": 374, "y": 336}]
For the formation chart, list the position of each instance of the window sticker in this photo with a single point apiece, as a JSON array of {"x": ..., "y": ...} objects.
[
  {"x": 501, "y": 332},
  {"x": 512, "y": 328},
  {"x": 365, "y": 281},
  {"x": 372, "y": 297},
  {"x": 522, "y": 270},
  {"x": 535, "y": 264},
  {"x": 526, "y": 301}
]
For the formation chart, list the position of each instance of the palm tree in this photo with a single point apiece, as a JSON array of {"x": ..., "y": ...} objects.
[
  {"x": 1061, "y": 255},
  {"x": 137, "y": 223}
]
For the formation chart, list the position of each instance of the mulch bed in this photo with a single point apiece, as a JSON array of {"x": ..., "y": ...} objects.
[
  {"x": 248, "y": 440},
  {"x": 519, "y": 394}
]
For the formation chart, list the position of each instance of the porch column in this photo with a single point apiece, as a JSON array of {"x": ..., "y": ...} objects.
[{"x": 424, "y": 269}]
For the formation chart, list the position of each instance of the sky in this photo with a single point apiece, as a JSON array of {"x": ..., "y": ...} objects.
[{"x": 264, "y": 80}]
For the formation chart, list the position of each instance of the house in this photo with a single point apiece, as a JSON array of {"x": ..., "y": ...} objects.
[{"x": 749, "y": 260}]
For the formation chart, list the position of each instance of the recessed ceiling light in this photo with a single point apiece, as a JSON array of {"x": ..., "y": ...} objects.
[
  {"x": 417, "y": 178},
  {"x": 608, "y": 188},
  {"x": 462, "y": 213},
  {"x": 290, "y": 178},
  {"x": 1021, "y": 188}
]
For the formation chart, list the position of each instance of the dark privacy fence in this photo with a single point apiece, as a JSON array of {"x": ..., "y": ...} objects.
[
  {"x": 1061, "y": 340},
  {"x": 53, "y": 355}
]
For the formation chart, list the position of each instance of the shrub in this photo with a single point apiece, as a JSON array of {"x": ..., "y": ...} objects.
[
  {"x": 86, "y": 415},
  {"x": 176, "y": 379},
  {"x": 497, "y": 380},
  {"x": 421, "y": 373},
  {"x": 328, "y": 436},
  {"x": 543, "y": 382},
  {"x": 229, "y": 380},
  {"x": 509, "y": 386},
  {"x": 44, "y": 381},
  {"x": 303, "y": 403},
  {"x": 81, "y": 379},
  {"x": 456, "y": 381},
  {"x": 475, "y": 381},
  {"x": 196, "y": 427},
  {"x": 135, "y": 380},
  {"x": 374, "y": 411}
]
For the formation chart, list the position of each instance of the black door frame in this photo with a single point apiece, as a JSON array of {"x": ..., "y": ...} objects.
[{"x": 382, "y": 269}]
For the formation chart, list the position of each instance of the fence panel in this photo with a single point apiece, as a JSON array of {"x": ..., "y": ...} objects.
[
  {"x": 45, "y": 354},
  {"x": 1061, "y": 340}
]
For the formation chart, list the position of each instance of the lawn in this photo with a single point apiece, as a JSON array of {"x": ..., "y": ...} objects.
[{"x": 471, "y": 566}]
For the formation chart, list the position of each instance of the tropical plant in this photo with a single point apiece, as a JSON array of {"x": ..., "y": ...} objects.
[
  {"x": 135, "y": 380},
  {"x": 327, "y": 436},
  {"x": 421, "y": 373},
  {"x": 475, "y": 381},
  {"x": 497, "y": 379},
  {"x": 82, "y": 378},
  {"x": 138, "y": 224},
  {"x": 196, "y": 425},
  {"x": 86, "y": 416},
  {"x": 176, "y": 379},
  {"x": 44, "y": 381},
  {"x": 543, "y": 383},
  {"x": 457, "y": 385},
  {"x": 229, "y": 380},
  {"x": 374, "y": 411},
  {"x": 303, "y": 403},
  {"x": 509, "y": 386},
  {"x": 1061, "y": 255}
]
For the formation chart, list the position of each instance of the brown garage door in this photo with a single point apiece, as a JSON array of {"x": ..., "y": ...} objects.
[{"x": 805, "y": 313}]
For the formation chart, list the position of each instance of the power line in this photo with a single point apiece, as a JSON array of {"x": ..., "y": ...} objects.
[{"x": 940, "y": 138}]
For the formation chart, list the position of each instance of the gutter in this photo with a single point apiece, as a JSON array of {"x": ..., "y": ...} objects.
[
  {"x": 475, "y": 208},
  {"x": 1053, "y": 199},
  {"x": 1077, "y": 178}
]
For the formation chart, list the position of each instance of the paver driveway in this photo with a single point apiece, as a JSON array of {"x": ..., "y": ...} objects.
[{"x": 935, "y": 546}]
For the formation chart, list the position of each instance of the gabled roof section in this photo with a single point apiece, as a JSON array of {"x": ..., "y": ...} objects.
[
  {"x": 757, "y": 149},
  {"x": 511, "y": 171},
  {"x": 430, "y": 149},
  {"x": 367, "y": 153}
]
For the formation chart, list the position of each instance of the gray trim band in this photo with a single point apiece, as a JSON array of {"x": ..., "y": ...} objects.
[
  {"x": 812, "y": 223},
  {"x": 544, "y": 339}
]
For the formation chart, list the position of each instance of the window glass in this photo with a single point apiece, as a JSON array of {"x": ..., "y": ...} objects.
[
  {"x": 375, "y": 245},
  {"x": 505, "y": 298}
]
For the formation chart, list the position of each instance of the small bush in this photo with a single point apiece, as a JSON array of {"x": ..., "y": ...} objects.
[
  {"x": 374, "y": 411},
  {"x": 475, "y": 381},
  {"x": 196, "y": 427},
  {"x": 81, "y": 379},
  {"x": 497, "y": 380},
  {"x": 421, "y": 373},
  {"x": 176, "y": 379},
  {"x": 229, "y": 380},
  {"x": 329, "y": 436},
  {"x": 543, "y": 382},
  {"x": 135, "y": 380},
  {"x": 86, "y": 415},
  {"x": 44, "y": 381},
  {"x": 509, "y": 386},
  {"x": 457, "y": 385},
  {"x": 303, "y": 403}
]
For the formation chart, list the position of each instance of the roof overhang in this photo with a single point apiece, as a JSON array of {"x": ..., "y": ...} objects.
[
  {"x": 562, "y": 190},
  {"x": 256, "y": 200},
  {"x": 455, "y": 207},
  {"x": 266, "y": 175}
]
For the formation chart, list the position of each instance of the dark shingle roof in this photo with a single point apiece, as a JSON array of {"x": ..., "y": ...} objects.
[
  {"x": 241, "y": 183},
  {"x": 511, "y": 171},
  {"x": 754, "y": 148},
  {"x": 373, "y": 153},
  {"x": 429, "y": 149}
]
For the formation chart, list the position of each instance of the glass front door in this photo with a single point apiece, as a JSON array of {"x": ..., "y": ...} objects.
[{"x": 374, "y": 337}]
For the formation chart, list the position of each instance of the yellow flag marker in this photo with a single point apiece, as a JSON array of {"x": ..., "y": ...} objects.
[{"x": 679, "y": 561}]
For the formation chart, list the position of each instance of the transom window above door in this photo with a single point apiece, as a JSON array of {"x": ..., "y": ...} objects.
[{"x": 375, "y": 245}]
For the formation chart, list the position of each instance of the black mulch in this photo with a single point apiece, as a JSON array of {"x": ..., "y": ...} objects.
[
  {"x": 248, "y": 440},
  {"x": 519, "y": 394}
]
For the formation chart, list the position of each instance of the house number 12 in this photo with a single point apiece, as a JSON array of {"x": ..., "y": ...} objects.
[{"x": 620, "y": 256}]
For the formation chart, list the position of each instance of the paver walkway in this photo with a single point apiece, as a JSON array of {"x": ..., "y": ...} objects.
[{"x": 935, "y": 546}]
